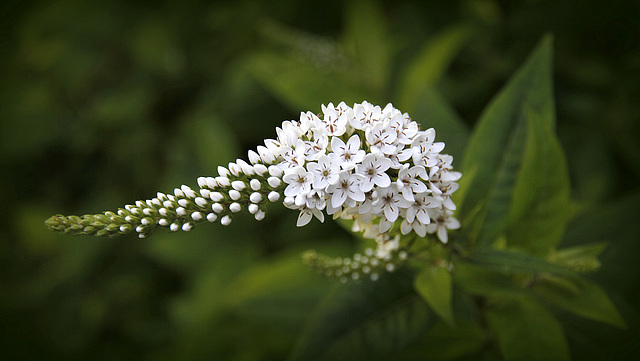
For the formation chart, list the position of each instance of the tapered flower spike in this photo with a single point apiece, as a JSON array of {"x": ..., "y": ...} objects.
[{"x": 364, "y": 163}]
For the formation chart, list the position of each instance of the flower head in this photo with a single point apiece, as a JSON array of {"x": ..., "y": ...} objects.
[{"x": 366, "y": 163}]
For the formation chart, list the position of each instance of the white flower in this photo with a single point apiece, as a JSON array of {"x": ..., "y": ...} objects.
[
  {"x": 346, "y": 155},
  {"x": 408, "y": 182},
  {"x": 299, "y": 181},
  {"x": 324, "y": 172},
  {"x": 306, "y": 214},
  {"x": 399, "y": 156},
  {"x": 307, "y": 120},
  {"x": 316, "y": 147},
  {"x": 374, "y": 171},
  {"x": 347, "y": 187},
  {"x": 365, "y": 115},
  {"x": 333, "y": 123},
  {"x": 416, "y": 226},
  {"x": 380, "y": 139},
  {"x": 447, "y": 190},
  {"x": 316, "y": 199},
  {"x": 403, "y": 126},
  {"x": 293, "y": 157},
  {"x": 419, "y": 209},
  {"x": 388, "y": 201},
  {"x": 424, "y": 150},
  {"x": 443, "y": 220},
  {"x": 289, "y": 134}
]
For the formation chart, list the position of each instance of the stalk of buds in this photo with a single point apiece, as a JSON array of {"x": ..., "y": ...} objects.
[{"x": 365, "y": 163}]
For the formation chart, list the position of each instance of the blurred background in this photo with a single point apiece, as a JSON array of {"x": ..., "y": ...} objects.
[{"x": 104, "y": 103}]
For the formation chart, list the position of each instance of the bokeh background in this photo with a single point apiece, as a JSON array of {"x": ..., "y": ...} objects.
[{"x": 104, "y": 103}]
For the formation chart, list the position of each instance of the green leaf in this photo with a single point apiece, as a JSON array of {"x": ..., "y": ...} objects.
[
  {"x": 481, "y": 281},
  {"x": 579, "y": 258},
  {"x": 512, "y": 262},
  {"x": 432, "y": 111},
  {"x": 358, "y": 321},
  {"x": 497, "y": 143},
  {"x": 590, "y": 301},
  {"x": 435, "y": 286},
  {"x": 428, "y": 67},
  {"x": 302, "y": 85},
  {"x": 525, "y": 330},
  {"x": 540, "y": 207}
]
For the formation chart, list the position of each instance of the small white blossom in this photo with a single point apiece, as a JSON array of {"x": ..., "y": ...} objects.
[
  {"x": 346, "y": 155},
  {"x": 299, "y": 181},
  {"x": 324, "y": 172},
  {"x": 347, "y": 187},
  {"x": 373, "y": 169},
  {"x": 388, "y": 202},
  {"x": 443, "y": 220},
  {"x": 380, "y": 139},
  {"x": 408, "y": 182}
]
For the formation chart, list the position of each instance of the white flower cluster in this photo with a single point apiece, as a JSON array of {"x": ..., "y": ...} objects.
[
  {"x": 366, "y": 163},
  {"x": 369, "y": 164}
]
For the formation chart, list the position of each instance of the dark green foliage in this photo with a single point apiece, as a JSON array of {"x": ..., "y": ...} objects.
[{"x": 103, "y": 103}]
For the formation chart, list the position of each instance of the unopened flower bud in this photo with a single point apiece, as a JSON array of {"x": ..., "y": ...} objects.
[
  {"x": 234, "y": 194},
  {"x": 260, "y": 169},
  {"x": 273, "y": 196},
  {"x": 216, "y": 196},
  {"x": 211, "y": 182},
  {"x": 201, "y": 202},
  {"x": 223, "y": 172},
  {"x": 274, "y": 182},
  {"x": 223, "y": 181},
  {"x": 253, "y": 208},
  {"x": 275, "y": 171},
  {"x": 253, "y": 157},
  {"x": 235, "y": 207},
  {"x": 235, "y": 169},
  {"x": 255, "y": 184},
  {"x": 188, "y": 192},
  {"x": 255, "y": 197},
  {"x": 238, "y": 185}
]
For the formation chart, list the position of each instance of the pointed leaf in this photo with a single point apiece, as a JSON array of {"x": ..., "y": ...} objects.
[
  {"x": 579, "y": 258},
  {"x": 359, "y": 320},
  {"x": 512, "y": 262},
  {"x": 432, "y": 111},
  {"x": 527, "y": 331},
  {"x": 482, "y": 281},
  {"x": 590, "y": 301},
  {"x": 540, "y": 207},
  {"x": 497, "y": 142},
  {"x": 435, "y": 286}
]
